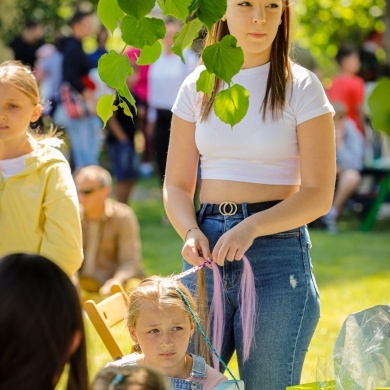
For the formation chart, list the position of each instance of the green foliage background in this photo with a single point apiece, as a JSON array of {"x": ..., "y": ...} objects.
[
  {"x": 52, "y": 13},
  {"x": 323, "y": 24}
]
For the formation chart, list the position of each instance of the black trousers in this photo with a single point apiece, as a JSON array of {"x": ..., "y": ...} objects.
[{"x": 162, "y": 130}]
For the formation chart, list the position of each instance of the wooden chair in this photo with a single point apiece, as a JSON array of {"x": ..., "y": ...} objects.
[{"x": 105, "y": 315}]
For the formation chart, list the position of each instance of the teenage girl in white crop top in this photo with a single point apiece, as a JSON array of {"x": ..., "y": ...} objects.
[{"x": 282, "y": 151}]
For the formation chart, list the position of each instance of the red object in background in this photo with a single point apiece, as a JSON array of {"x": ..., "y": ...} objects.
[{"x": 88, "y": 83}]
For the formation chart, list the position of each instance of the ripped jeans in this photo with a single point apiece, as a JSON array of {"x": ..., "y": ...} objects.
[{"x": 287, "y": 300}]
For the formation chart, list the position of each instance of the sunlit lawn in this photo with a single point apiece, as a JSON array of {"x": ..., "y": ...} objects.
[{"x": 352, "y": 271}]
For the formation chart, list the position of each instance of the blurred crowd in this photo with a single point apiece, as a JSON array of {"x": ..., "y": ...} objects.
[
  {"x": 357, "y": 144},
  {"x": 106, "y": 162},
  {"x": 66, "y": 71},
  {"x": 131, "y": 147}
]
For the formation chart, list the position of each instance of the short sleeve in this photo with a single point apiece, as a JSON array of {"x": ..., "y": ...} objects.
[
  {"x": 308, "y": 99},
  {"x": 185, "y": 103}
]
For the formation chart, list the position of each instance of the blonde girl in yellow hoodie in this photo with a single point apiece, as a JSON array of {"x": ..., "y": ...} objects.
[{"x": 38, "y": 199}]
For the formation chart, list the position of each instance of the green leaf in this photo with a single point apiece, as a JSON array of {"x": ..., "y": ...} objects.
[
  {"x": 205, "y": 82},
  {"x": 224, "y": 58},
  {"x": 379, "y": 105},
  {"x": 126, "y": 109},
  {"x": 104, "y": 107},
  {"x": 186, "y": 36},
  {"x": 136, "y": 8},
  {"x": 149, "y": 54},
  {"x": 208, "y": 11},
  {"x": 109, "y": 13},
  {"x": 176, "y": 8},
  {"x": 193, "y": 7},
  {"x": 142, "y": 32},
  {"x": 125, "y": 93},
  {"x": 114, "y": 69},
  {"x": 231, "y": 104}
]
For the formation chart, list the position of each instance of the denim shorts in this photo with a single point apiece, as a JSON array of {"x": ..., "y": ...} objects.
[
  {"x": 124, "y": 160},
  {"x": 287, "y": 302}
]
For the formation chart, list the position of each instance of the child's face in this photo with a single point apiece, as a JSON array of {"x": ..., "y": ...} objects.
[
  {"x": 163, "y": 336},
  {"x": 351, "y": 64},
  {"x": 86, "y": 26},
  {"x": 16, "y": 113}
]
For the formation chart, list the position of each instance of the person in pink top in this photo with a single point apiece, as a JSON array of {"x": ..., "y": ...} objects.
[
  {"x": 347, "y": 87},
  {"x": 140, "y": 86}
]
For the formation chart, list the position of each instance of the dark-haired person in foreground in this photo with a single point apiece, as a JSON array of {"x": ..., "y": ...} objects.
[{"x": 41, "y": 326}]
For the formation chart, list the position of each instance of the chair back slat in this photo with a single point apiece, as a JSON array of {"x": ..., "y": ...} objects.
[{"x": 106, "y": 314}]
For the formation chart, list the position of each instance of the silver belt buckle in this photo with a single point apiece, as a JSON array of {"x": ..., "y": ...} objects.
[{"x": 227, "y": 209}]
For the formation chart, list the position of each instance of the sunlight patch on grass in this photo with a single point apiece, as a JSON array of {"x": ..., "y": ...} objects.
[{"x": 337, "y": 302}]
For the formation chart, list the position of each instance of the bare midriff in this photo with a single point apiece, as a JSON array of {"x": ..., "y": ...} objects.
[{"x": 218, "y": 191}]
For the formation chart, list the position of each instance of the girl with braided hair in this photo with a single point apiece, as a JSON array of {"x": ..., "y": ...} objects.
[{"x": 161, "y": 323}]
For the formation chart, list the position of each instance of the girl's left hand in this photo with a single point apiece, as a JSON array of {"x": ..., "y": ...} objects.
[{"x": 233, "y": 244}]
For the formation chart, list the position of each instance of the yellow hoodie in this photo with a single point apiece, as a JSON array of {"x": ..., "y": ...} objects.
[{"x": 39, "y": 210}]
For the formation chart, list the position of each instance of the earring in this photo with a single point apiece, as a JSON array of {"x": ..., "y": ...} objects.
[{"x": 137, "y": 348}]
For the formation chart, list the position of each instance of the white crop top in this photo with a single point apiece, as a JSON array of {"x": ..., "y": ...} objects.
[{"x": 254, "y": 151}]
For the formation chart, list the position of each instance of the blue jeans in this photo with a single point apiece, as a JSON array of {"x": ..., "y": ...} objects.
[
  {"x": 124, "y": 160},
  {"x": 85, "y": 137},
  {"x": 287, "y": 303}
]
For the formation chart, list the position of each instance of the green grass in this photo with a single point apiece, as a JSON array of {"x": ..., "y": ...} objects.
[
  {"x": 352, "y": 271},
  {"x": 161, "y": 245}
]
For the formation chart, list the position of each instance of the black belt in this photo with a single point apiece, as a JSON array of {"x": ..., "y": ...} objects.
[{"x": 231, "y": 208}]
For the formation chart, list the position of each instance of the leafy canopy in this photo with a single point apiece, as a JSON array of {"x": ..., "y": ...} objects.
[
  {"x": 222, "y": 59},
  {"x": 322, "y": 26}
]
